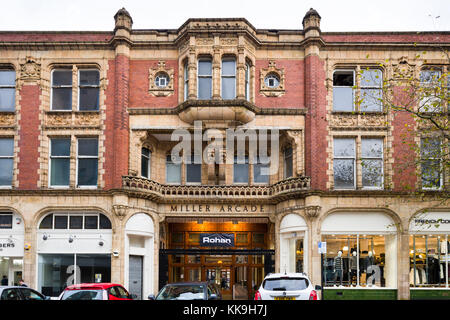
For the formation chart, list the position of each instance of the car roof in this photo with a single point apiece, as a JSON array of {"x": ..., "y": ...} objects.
[
  {"x": 189, "y": 283},
  {"x": 97, "y": 286},
  {"x": 287, "y": 275},
  {"x": 18, "y": 287}
]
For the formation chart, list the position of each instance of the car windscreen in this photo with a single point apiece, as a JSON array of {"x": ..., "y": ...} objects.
[
  {"x": 83, "y": 295},
  {"x": 182, "y": 292},
  {"x": 285, "y": 284}
]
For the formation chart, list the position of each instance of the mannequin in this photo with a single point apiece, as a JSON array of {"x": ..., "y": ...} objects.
[
  {"x": 353, "y": 265},
  {"x": 369, "y": 261},
  {"x": 338, "y": 267}
]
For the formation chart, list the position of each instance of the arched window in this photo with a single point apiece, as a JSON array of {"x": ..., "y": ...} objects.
[{"x": 75, "y": 221}]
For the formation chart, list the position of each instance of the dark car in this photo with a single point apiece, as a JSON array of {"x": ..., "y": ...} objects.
[
  {"x": 20, "y": 293},
  {"x": 188, "y": 291}
]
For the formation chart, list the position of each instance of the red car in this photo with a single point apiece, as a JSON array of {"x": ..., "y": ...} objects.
[{"x": 96, "y": 291}]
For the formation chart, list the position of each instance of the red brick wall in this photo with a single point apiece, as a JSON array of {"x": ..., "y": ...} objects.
[
  {"x": 294, "y": 85},
  {"x": 388, "y": 37},
  {"x": 29, "y": 137},
  {"x": 315, "y": 126},
  {"x": 139, "y": 84}
]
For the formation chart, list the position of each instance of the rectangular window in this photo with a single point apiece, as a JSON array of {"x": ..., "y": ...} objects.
[
  {"x": 186, "y": 81},
  {"x": 89, "y": 90},
  {"x": 343, "y": 98},
  {"x": 75, "y": 222},
  {"x": 371, "y": 90},
  {"x": 145, "y": 162},
  {"x": 431, "y": 163},
  {"x": 288, "y": 162},
  {"x": 194, "y": 170},
  {"x": 261, "y": 169},
  {"x": 372, "y": 163},
  {"x": 173, "y": 171},
  {"x": 87, "y": 166},
  {"x": 7, "y": 90},
  {"x": 62, "y": 90},
  {"x": 344, "y": 163},
  {"x": 60, "y": 162},
  {"x": 6, "y": 219},
  {"x": 6, "y": 161},
  {"x": 91, "y": 222},
  {"x": 61, "y": 222},
  {"x": 240, "y": 170},
  {"x": 228, "y": 78},
  {"x": 204, "y": 79},
  {"x": 430, "y": 96}
]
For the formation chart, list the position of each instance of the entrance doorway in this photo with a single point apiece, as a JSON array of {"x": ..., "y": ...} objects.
[{"x": 135, "y": 275}]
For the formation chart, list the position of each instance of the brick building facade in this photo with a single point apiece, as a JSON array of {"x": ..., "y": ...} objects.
[{"x": 90, "y": 191}]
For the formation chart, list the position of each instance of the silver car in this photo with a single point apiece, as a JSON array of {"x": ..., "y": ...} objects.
[
  {"x": 287, "y": 286},
  {"x": 20, "y": 293}
]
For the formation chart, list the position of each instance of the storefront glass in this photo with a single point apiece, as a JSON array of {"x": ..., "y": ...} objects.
[
  {"x": 57, "y": 271},
  {"x": 429, "y": 260},
  {"x": 359, "y": 260}
]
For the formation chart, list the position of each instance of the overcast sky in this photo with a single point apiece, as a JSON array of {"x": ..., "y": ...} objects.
[{"x": 337, "y": 15}]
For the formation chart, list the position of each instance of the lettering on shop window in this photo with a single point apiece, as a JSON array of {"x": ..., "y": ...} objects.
[
  {"x": 71, "y": 279},
  {"x": 431, "y": 221}
]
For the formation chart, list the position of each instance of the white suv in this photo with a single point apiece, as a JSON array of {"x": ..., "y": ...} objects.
[{"x": 287, "y": 286}]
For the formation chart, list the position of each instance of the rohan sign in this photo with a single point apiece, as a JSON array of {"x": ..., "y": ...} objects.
[{"x": 221, "y": 208}]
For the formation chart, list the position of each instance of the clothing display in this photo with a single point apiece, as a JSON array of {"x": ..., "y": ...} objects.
[{"x": 338, "y": 266}]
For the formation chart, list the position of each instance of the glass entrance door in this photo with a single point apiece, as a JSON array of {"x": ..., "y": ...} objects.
[{"x": 221, "y": 275}]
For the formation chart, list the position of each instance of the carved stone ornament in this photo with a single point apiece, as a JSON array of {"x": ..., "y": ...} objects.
[
  {"x": 120, "y": 210},
  {"x": 275, "y": 91},
  {"x": 312, "y": 212},
  {"x": 30, "y": 70},
  {"x": 160, "y": 80},
  {"x": 7, "y": 120},
  {"x": 341, "y": 120},
  {"x": 402, "y": 70}
]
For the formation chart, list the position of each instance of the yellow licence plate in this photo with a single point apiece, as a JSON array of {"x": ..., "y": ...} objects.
[{"x": 284, "y": 298}]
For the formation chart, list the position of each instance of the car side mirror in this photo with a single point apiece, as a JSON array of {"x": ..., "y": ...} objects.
[
  {"x": 318, "y": 288},
  {"x": 151, "y": 297},
  {"x": 133, "y": 296},
  {"x": 213, "y": 296}
]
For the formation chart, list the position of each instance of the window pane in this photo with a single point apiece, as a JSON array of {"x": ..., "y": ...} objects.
[
  {"x": 343, "y": 99},
  {"x": 6, "y": 147},
  {"x": 104, "y": 222},
  {"x": 144, "y": 166},
  {"x": 344, "y": 147},
  {"x": 371, "y": 100},
  {"x": 193, "y": 172},
  {"x": 344, "y": 173},
  {"x": 62, "y": 77},
  {"x": 228, "y": 67},
  {"x": 61, "y": 222},
  {"x": 6, "y": 172},
  {"x": 60, "y": 172},
  {"x": 173, "y": 173},
  {"x": 204, "y": 88},
  {"x": 89, "y": 77},
  {"x": 60, "y": 147},
  {"x": 431, "y": 174},
  {"x": 371, "y": 78},
  {"x": 76, "y": 222},
  {"x": 260, "y": 173},
  {"x": 89, "y": 98},
  {"x": 7, "y": 78},
  {"x": 47, "y": 222},
  {"x": 7, "y": 99},
  {"x": 205, "y": 68},
  {"x": 343, "y": 78},
  {"x": 62, "y": 99},
  {"x": 53, "y": 273},
  {"x": 228, "y": 88},
  {"x": 429, "y": 76},
  {"x": 88, "y": 147},
  {"x": 430, "y": 148},
  {"x": 372, "y": 173},
  {"x": 91, "y": 222},
  {"x": 87, "y": 172},
  {"x": 372, "y": 148},
  {"x": 5, "y": 221},
  {"x": 240, "y": 174},
  {"x": 288, "y": 163}
]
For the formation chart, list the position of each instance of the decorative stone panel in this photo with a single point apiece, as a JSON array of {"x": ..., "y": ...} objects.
[
  {"x": 154, "y": 89},
  {"x": 279, "y": 72}
]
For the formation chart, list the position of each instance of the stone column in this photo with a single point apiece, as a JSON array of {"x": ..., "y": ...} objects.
[
  {"x": 403, "y": 265},
  {"x": 192, "y": 69},
  {"x": 240, "y": 72},
  {"x": 216, "y": 69}
]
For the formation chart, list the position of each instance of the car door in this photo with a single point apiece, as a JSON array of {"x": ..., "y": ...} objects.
[
  {"x": 123, "y": 293},
  {"x": 30, "y": 294},
  {"x": 10, "y": 294}
]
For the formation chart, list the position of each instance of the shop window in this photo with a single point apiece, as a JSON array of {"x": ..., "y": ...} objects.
[
  {"x": 240, "y": 170},
  {"x": 91, "y": 222},
  {"x": 173, "y": 171},
  {"x": 62, "y": 89},
  {"x": 145, "y": 162},
  {"x": 86, "y": 221},
  {"x": 204, "y": 80},
  {"x": 288, "y": 162},
  {"x": 87, "y": 162},
  {"x": 228, "y": 78},
  {"x": 344, "y": 163},
  {"x": 59, "y": 162},
  {"x": 371, "y": 92},
  {"x": 47, "y": 222},
  {"x": 6, "y": 219},
  {"x": 343, "y": 96},
  {"x": 7, "y": 90},
  {"x": 105, "y": 223},
  {"x": 431, "y": 164},
  {"x": 360, "y": 260},
  {"x": 372, "y": 163},
  {"x": 194, "y": 170},
  {"x": 429, "y": 260},
  {"x": 61, "y": 222},
  {"x": 6, "y": 161},
  {"x": 178, "y": 237},
  {"x": 75, "y": 222},
  {"x": 89, "y": 90}
]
